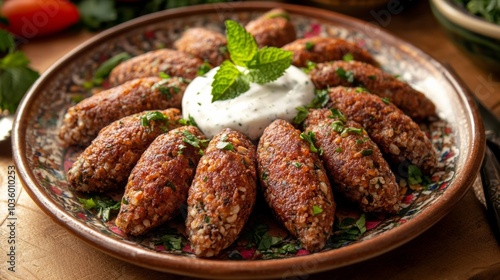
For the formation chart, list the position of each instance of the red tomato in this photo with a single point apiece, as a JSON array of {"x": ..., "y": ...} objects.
[{"x": 33, "y": 18}]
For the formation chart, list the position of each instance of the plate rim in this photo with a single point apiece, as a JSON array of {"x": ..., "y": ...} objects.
[{"x": 254, "y": 269}]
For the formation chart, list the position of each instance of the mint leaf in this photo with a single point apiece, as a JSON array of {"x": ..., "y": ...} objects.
[
  {"x": 15, "y": 59},
  {"x": 268, "y": 64},
  {"x": 14, "y": 82},
  {"x": 240, "y": 43},
  {"x": 228, "y": 82},
  {"x": 7, "y": 43}
]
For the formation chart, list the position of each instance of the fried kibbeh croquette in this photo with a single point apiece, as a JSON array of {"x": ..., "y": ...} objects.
[
  {"x": 357, "y": 169},
  {"x": 323, "y": 49},
  {"x": 396, "y": 134},
  {"x": 295, "y": 184},
  {"x": 222, "y": 194},
  {"x": 107, "y": 162},
  {"x": 272, "y": 29},
  {"x": 150, "y": 64},
  {"x": 204, "y": 43},
  {"x": 158, "y": 185},
  {"x": 82, "y": 122},
  {"x": 359, "y": 74}
]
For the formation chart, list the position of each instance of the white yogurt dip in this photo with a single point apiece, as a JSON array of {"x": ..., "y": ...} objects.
[{"x": 251, "y": 112}]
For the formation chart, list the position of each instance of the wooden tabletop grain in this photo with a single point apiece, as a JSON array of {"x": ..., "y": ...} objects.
[{"x": 460, "y": 246}]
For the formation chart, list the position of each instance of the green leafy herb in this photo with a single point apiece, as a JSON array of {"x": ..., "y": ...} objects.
[
  {"x": 104, "y": 206},
  {"x": 189, "y": 121},
  {"x": 346, "y": 75},
  {"x": 309, "y": 66},
  {"x": 309, "y": 137},
  {"x": 355, "y": 130},
  {"x": 348, "y": 57},
  {"x": 301, "y": 115},
  {"x": 487, "y": 9},
  {"x": 320, "y": 99},
  {"x": 105, "y": 68},
  {"x": 346, "y": 231},
  {"x": 309, "y": 45},
  {"x": 297, "y": 164},
  {"x": 257, "y": 65},
  {"x": 171, "y": 185},
  {"x": 164, "y": 75},
  {"x": 152, "y": 116},
  {"x": 192, "y": 140},
  {"x": 338, "y": 150},
  {"x": 415, "y": 176},
  {"x": 338, "y": 126},
  {"x": 171, "y": 242},
  {"x": 16, "y": 77},
  {"x": 317, "y": 210},
  {"x": 366, "y": 152},
  {"x": 386, "y": 100},
  {"x": 338, "y": 115},
  {"x": 204, "y": 68},
  {"x": 223, "y": 144}
]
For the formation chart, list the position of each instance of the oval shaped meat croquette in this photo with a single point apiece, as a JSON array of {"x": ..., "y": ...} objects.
[
  {"x": 323, "y": 49},
  {"x": 222, "y": 194},
  {"x": 396, "y": 134},
  {"x": 82, "y": 122},
  {"x": 107, "y": 162},
  {"x": 150, "y": 64},
  {"x": 359, "y": 74},
  {"x": 159, "y": 183},
  {"x": 272, "y": 29},
  {"x": 295, "y": 184},
  {"x": 356, "y": 166},
  {"x": 204, "y": 43}
]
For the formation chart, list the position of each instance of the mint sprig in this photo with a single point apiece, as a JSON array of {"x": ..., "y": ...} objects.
[{"x": 248, "y": 64}]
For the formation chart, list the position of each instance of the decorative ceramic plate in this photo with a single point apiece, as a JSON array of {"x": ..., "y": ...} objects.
[{"x": 264, "y": 248}]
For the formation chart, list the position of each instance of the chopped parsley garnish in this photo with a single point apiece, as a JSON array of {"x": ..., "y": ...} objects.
[
  {"x": 337, "y": 114},
  {"x": 192, "y": 140},
  {"x": 338, "y": 150},
  {"x": 386, "y": 100},
  {"x": 171, "y": 185},
  {"x": 372, "y": 77},
  {"x": 309, "y": 137},
  {"x": 309, "y": 45},
  {"x": 189, "y": 121},
  {"x": 301, "y": 115},
  {"x": 297, "y": 164},
  {"x": 164, "y": 75},
  {"x": 105, "y": 68},
  {"x": 223, "y": 144},
  {"x": 347, "y": 231},
  {"x": 348, "y": 57},
  {"x": 260, "y": 65},
  {"x": 152, "y": 116},
  {"x": 309, "y": 66},
  {"x": 204, "y": 68},
  {"x": 265, "y": 176},
  {"x": 366, "y": 152},
  {"x": 105, "y": 206},
  {"x": 346, "y": 75},
  {"x": 415, "y": 176},
  {"x": 181, "y": 149},
  {"x": 317, "y": 210},
  {"x": 171, "y": 242},
  {"x": 348, "y": 130},
  {"x": 338, "y": 126}
]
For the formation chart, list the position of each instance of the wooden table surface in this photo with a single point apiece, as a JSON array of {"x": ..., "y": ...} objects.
[{"x": 459, "y": 246}]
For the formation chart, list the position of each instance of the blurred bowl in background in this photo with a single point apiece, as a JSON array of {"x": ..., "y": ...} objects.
[{"x": 479, "y": 38}]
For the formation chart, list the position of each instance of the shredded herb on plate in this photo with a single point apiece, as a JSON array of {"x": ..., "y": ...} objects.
[{"x": 105, "y": 206}]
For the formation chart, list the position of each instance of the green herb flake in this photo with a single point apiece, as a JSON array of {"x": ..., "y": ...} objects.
[
  {"x": 366, "y": 152},
  {"x": 309, "y": 67},
  {"x": 414, "y": 175},
  {"x": 338, "y": 115},
  {"x": 164, "y": 75},
  {"x": 346, "y": 75},
  {"x": 181, "y": 149},
  {"x": 302, "y": 114},
  {"x": 338, "y": 126},
  {"x": 105, "y": 206},
  {"x": 297, "y": 164},
  {"x": 317, "y": 210},
  {"x": 386, "y": 100},
  {"x": 338, "y": 150},
  {"x": 192, "y": 140},
  {"x": 372, "y": 77},
  {"x": 354, "y": 130},
  {"x": 265, "y": 176},
  {"x": 105, "y": 68},
  {"x": 223, "y": 144},
  {"x": 309, "y": 45},
  {"x": 204, "y": 68},
  {"x": 152, "y": 116},
  {"x": 171, "y": 185},
  {"x": 309, "y": 137},
  {"x": 348, "y": 57},
  {"x": 171, "y": 242},
  {"x": 189, "y": 121}
]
